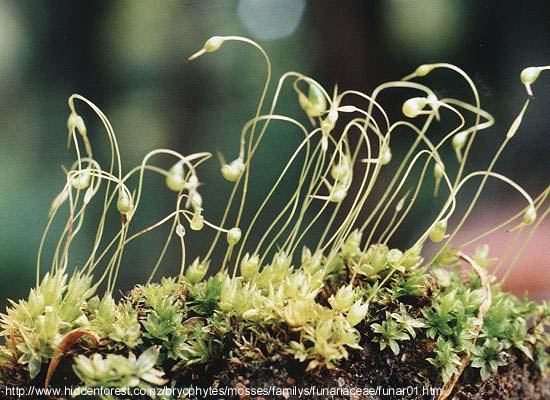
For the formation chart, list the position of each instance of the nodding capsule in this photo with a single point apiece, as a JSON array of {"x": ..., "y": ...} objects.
[
  {"x": 82, "y": 180},
  {"x": 424, "y": 69},
  {"x": 233, "y": 171},
  {"x": 317, "y": 101},
  {"x": 529, "y": 75},
  {"x": 414, "y": 106},
  {"x": 233, "y": 236},
  {"x": 124, "y": 202},
  {"x": 213, "y": 44},
  {"x": 175, "y": 179},
  {"x": 75, "y": 121},
  {"x": 197, "y": 222},
  {"x": 530, "y": 215},
  {"x": 459, "y": 140},
  {"x": 386, "y": 156},
  {"x": 341, "y": 170},
  {"x": 438, "y": 231}
]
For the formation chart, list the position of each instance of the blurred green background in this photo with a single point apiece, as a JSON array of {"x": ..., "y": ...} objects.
[{"x": 129, "y": 57}]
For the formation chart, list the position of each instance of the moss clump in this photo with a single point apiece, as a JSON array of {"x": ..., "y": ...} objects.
[
  {"x": 352, "y": 307},
  {"x": 311, "y": 316}
]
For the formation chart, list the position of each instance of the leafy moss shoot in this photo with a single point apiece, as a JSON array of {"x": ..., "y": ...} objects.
[{"x": 272, "y": 300}]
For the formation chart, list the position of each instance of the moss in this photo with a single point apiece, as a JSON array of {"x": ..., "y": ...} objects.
[
  {"x": 351, "y": 312},
  {"x": 302, "y": 325}
]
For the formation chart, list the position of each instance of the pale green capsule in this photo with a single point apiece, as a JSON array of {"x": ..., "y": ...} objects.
[
  {"x": 124, "y": 203},
  {"x": 529, "y": 75},
  {"x": 233, "y": 236},
  {"x": 82, "y": 180},
  {"x": 233, "y": 171},
  {"x": 438, "y": 232},
  {"x": 197, "y": 222},
  {"x": 530, "y": 215},
  {"x": 213, "y": 44},
  {"x": 412, "y": 107},
  {"x": 317, "y": 101},
  {"x": 75, "y": 121},
  {"x": 175, "y": 179}
]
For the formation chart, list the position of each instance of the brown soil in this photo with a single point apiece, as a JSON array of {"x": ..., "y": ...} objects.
[
  {"x": 382, "y": 371},
  {"x": 406, "y": 376}
]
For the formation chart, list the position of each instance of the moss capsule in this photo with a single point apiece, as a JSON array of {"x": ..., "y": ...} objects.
[{"x": 233, "y": 236}]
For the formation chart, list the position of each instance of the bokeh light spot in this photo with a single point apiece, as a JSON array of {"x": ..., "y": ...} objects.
[
  {"x": 425, "y": 28},
  {"x": 271, "y": 19},
  {"x": 12, "y": 39}
]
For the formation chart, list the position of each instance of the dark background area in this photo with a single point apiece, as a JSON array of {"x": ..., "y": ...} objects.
[{"x": 129, "y": 57}]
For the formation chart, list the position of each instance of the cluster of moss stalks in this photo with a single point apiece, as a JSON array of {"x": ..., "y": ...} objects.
[{"x": 350, "y": 313}]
